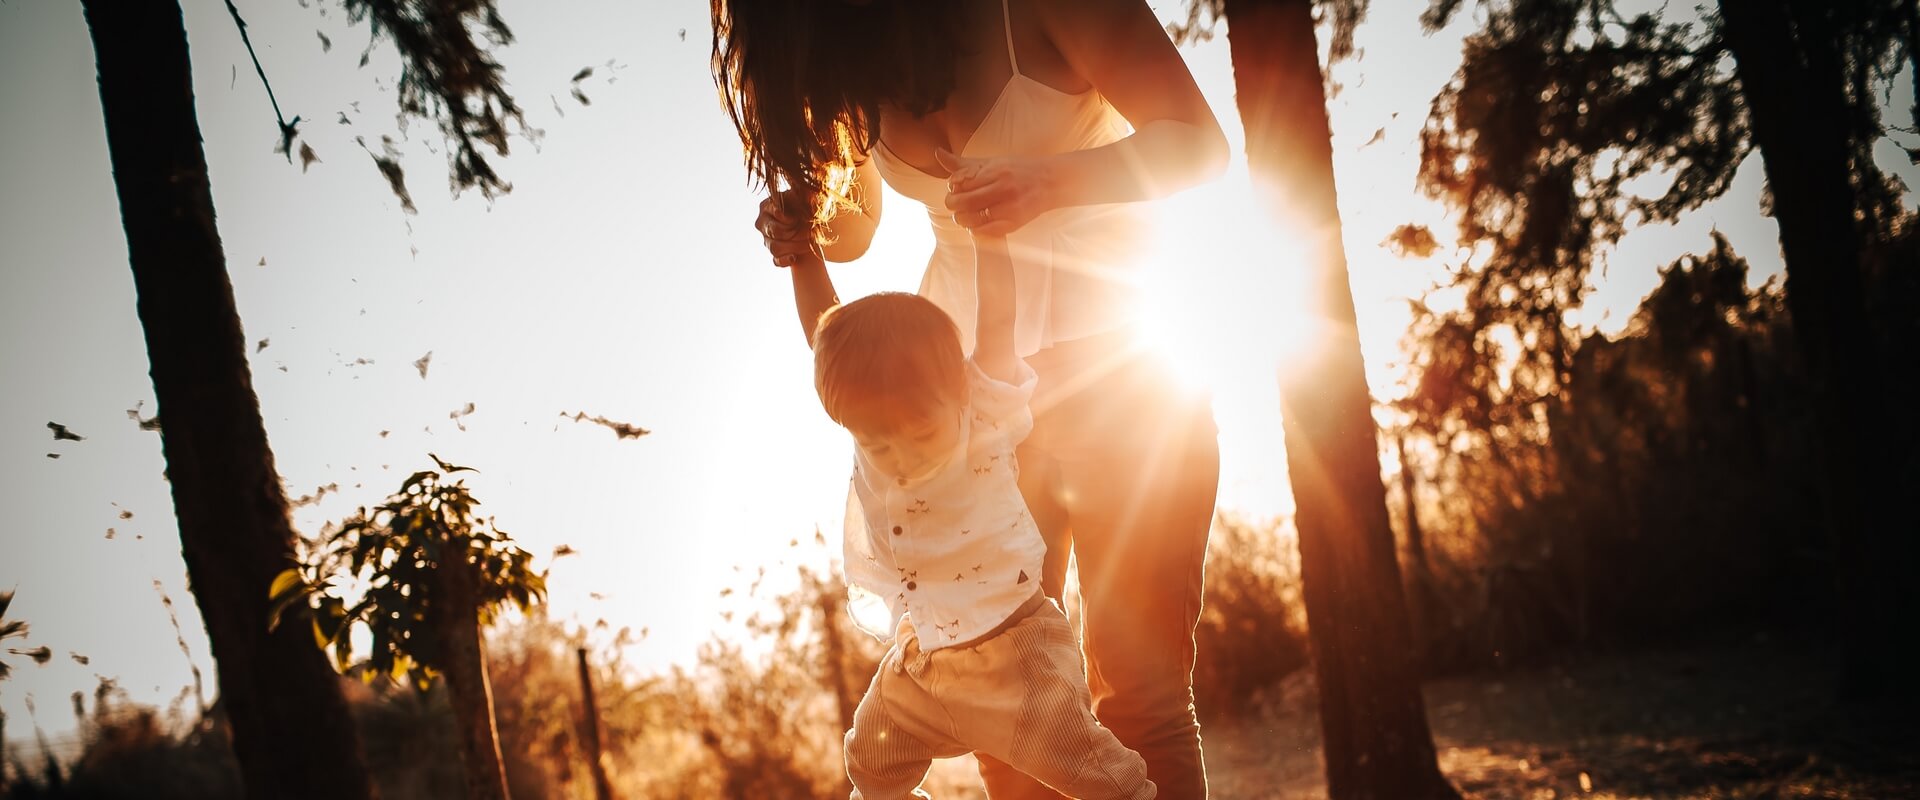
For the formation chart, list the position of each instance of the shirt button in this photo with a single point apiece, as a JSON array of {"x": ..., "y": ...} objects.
[
  {"x": 896, "y": 530},
  {"x": 911, "y": 585}
]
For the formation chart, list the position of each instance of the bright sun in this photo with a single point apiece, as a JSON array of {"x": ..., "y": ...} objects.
[{"x": 1223, "y": 293}]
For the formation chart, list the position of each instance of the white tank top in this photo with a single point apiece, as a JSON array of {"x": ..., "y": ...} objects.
[{"x": 1074, "y": 268}]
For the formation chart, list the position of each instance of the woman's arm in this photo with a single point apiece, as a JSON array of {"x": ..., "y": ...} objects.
[
  {"x": 852, "y": 231},
  {"x": 1119, "y": 47}
]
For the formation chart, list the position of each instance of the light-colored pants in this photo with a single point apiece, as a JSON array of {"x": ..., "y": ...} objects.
[
  {"x": 1019, "y": 695},
  {"x": 1120, "y": 473}
]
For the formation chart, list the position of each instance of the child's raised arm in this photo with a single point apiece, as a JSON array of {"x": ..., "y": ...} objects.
[
  {"x": 784, "y": 226},
  {"x": 813, "y": 291},
  {"x": 993, "y": 348}
]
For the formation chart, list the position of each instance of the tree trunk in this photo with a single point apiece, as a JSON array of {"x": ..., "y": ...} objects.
[
  {"x": 1786, "y": 57},
  {"x": 291, "y": 731},
  {"x": 1372, "y": 718},
  {"x": 1420, "y": 606},
  {"x": 602, "y": 790},
  {"x": 467, "y": 685}
]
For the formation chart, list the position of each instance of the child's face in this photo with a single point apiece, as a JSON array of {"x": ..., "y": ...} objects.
[{"x": 911, "y": 449}]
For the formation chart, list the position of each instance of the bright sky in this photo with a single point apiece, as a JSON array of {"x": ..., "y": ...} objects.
[{"x": 620, "y": 278}]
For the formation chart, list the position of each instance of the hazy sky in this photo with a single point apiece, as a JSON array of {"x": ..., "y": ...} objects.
[{"x": 620, "y": 278}]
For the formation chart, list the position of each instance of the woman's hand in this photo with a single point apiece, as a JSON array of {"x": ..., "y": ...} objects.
[
  {"x": 785, "y": 223},
  {"x": 997, "y": 196}
]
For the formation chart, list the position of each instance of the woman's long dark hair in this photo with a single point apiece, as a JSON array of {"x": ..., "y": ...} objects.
[{"x": 804, "y": 80}]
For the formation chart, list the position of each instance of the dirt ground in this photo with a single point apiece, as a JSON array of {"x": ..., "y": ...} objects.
[{"x": 1743, "y": 721}]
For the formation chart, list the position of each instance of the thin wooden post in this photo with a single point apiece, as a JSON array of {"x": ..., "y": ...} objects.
[{"x": 601, "y": 788}]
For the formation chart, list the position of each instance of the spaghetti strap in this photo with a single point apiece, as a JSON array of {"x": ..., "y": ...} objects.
[{"x": 1006, "y": 23}]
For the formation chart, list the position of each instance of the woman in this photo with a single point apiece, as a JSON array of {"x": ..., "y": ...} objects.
[{"x": 1048, "y": 123}]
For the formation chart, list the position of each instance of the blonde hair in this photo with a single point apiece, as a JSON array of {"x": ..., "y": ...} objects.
[{"x": 888, "y": 360}]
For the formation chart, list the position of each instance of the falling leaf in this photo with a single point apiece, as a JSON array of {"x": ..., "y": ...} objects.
[
  {"x": 389, "y": 165},
  {"x": 556, "y": 105},
  {"x": 125, "y": 514},
  {"x": 326, "y": 44},
  {"x": 456, "y": 415},
  {"x": 727, "y": 592},
  {"x": 583, "y": 74},
  {"x": 263, "y": 261},
  {"x": 343, "y": 119},
  {"x": 1411, "y": 241},
  {"x": 421, "y": 364},
  {"x": 581, "y": 96},
  {"x": 383, "y": 434},
  {"x": 683, "y": 34},
  {"x": 79, "y": 659},
  {"x": 307, "y": 156},
  {"x": 53, "y": 455},
  {"x": 60, "y": 433},
  {"x": 110, "y": 534},
  {"x": 1378, "y": 137},
  {"x": 262, "y": 345},
  {"x": 564, "y": 550},
  {"x": 623, "y": 430}
]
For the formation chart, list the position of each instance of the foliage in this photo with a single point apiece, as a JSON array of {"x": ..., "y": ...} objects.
[
  {"x": 138, "y": 751},
  {"x": 1252, "y": 629},
  {"x": 1679, "y": 449},
  {"x": 1567, "y": 125},
  {"x": 448, "y": 76},
  {"x": 392, "y": 556},
  {"x": 17, "y": 629}
]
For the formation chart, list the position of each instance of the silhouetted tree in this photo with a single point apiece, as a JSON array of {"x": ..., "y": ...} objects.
[
  {"x": 1372, "y": 717},
  {"x": 1560, "y": 104},
  {"x": 433, "y": 575},
  {"x": 291, "y": 733}
]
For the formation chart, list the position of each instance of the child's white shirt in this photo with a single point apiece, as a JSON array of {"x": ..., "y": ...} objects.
[{"x": 955, "y": 551}]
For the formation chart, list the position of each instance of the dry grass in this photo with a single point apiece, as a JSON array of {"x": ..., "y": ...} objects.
[{"x": 1742, "y": 722}]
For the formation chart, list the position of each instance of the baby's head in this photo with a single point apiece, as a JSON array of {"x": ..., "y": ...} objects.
[{"x": 889, "y": 369}]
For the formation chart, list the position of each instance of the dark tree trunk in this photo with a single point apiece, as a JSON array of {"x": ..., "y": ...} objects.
[
  {"x": 291, "y": 730},
  {"x": 1372, "y": 718},
  {"x": 602, "y": 790},
  {"x": 1416, "y": 538},
  {"x": 1420, "y": 606},
  {"x": 467, "y": 684},
  {"x": 1786, "y": 55}
]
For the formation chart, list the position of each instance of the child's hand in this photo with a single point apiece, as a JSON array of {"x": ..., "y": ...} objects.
[{"x": 786, "y": 226}]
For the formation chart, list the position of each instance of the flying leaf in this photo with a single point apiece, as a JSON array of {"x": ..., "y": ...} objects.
[
  {"x": 1378, "y": 137},
  {"x": 421, "y": 364},
  {"x": 389, "y": 165},
  {"x": 623, "y": 430},
  {"x": 326, "y": 44},
  {"x": 262, "y": 345},
  {"x": 60, "y": 433},
  {"x": 307, "y": 156},
  {"x": 1411, "y": 241}
]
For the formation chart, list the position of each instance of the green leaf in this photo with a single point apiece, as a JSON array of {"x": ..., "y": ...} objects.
[{"x": 286, "y": 581}]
